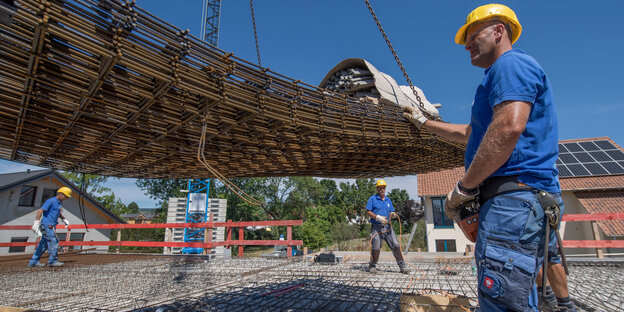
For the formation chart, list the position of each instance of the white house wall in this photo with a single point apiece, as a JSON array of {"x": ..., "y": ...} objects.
[
  {"x": 433, "y": 234},
  {"x": 12, "y": 214}
]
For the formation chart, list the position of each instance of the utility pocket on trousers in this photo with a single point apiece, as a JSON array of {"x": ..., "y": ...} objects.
[{"x": 507, "y": 273}]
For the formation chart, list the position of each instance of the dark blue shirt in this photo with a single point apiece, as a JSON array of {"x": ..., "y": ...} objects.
[
  {"x": 516, "y": 76},
  {"x": 51, "y": 211},
  {"x": 380, "y": 207}
]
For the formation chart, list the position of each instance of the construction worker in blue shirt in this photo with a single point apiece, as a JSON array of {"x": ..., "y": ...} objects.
[
  {"x": 380, "y": 210},
  {"x": 45, "y": 226},
  {"x": 512, "y": 146}
]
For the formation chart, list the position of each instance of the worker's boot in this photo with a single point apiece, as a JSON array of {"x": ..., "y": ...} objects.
[
  {"x": 548, "y": 302},
  {"x": 372, "y": 267},
  {"x": 565, "y": 305},
  {"x": 398, "y": 255}
]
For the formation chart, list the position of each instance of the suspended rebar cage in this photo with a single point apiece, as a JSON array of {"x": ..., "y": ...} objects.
[{"x": 105, "y": 87}]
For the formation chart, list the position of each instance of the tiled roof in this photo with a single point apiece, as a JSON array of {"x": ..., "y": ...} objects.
[
  {"x": 438, "y": 183},
  {"x": 605, "y": 202}
]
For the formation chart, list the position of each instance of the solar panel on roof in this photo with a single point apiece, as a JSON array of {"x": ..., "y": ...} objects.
[
  {"x": 600, "y": 156},
  {"x": 595, "y": 169},
  {"x": 568, "y": 158},
  {"x": 578, "y": 170},
  {"x": 583, "y": 157},
  {"x": 613, "y": 167},
  {"x": 589, "y": 158},
  {"x": 564, "y": 172},
  {"x": 573, "y": 147},
  {"x": 589, "y": 146},
  {"x": 604, "y": 144},
  {"x": 616, "y": 154}
]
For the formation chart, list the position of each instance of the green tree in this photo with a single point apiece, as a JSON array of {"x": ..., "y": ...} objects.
[
  {"x": 132, "y": 208},
  {"x": 92, "y": 183}
]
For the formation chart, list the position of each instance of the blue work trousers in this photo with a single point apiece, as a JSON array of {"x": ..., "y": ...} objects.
[
  {"x": 49, "y": 241},
  {"x": 510, "y": 251}
]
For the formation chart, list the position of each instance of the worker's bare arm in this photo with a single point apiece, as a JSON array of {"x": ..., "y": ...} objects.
[
  {"x": 370, "y": 214},
  {"x": 456, "y": 132},
  {"x": 508, "y": 123},
  {"x": 39, "y": 214}
]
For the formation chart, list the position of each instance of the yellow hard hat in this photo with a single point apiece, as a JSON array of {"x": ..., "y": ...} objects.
[
  {"x": 489, "y": 12},
  {"x": 268, "y": 229},
  {"x": 65, "y": 190},
  {"x": 380, "y": 183}
]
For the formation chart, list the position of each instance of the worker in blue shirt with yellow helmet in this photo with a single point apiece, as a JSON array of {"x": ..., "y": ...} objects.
[
  {"x": 510, "y": 164},
  {"x": 380, "y": 210},
  {"x": 45, "y": 226}
]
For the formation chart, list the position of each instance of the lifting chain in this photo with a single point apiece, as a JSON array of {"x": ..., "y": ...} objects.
[
  {"x": 253, "y": 21},
  {"x": 396, "y": 58}
]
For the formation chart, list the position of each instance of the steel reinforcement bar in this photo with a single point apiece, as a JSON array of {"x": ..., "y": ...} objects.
[{"x": 106, "y": 87}]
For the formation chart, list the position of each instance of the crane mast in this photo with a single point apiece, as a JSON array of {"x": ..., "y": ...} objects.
[{"x": 210, "y": 22}]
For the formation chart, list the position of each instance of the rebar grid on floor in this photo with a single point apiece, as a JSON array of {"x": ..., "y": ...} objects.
[{"x": 171, "y": 284}]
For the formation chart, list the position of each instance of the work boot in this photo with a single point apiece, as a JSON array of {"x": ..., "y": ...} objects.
[
  {"x": 371, "y": 269},
  {"x": 374, "y": 257},
  {"x": 56, "y": 264},
  {"x": 405, "y": 270},
  {"x": 546, "y": 302},
  {"x": 565, "y": 305},
  {"x": 36, "y": 265},
  {"x": 570, "y": 307}
]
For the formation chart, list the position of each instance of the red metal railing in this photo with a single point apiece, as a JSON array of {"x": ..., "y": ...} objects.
[
  {"x": 207, "y": 244},
  {"x": 593, "y": 217}
]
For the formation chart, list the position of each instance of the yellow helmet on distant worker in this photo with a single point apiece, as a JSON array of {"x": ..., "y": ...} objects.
[
  {"x": 380, "y": 183},
  {"x": 268, "y": 229},
  {"x": 65, "y": 190},
  {"x": 490, "y": 12}
]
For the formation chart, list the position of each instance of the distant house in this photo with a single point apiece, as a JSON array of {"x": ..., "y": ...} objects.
[
  {"x": 23, "y": 193},
  {"x": 592, "y": 181},
  {"x": 138, "y": 218}
]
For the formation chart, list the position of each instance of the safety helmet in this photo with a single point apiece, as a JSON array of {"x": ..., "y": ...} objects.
[
  {"x": 490, "y": 12},
  {"x": 268, "y": 229},
  {"x": 65, "y": 190},
  {"x": 380, "y": 183}
]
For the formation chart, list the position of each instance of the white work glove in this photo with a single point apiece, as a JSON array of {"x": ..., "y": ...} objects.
[
  {"x": 66, "y": 222},
  {"x": 36, "y": 228},
  {"x": 393, "y": 215},
  {"x": 414, "y": 115},
  {"x": 381, "y": 219},
  {"x": 455, "y": 198}
]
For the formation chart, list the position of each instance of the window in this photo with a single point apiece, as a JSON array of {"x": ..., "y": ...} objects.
[
  {"x": 27, "y": 196},
  {"x": 47, "y": 194},
  {"x": 73, "y": 237},
  {"x": 18, "y": 240},
  {"x": 447, "y": 245},
  {"x": 440, "y": 220}
]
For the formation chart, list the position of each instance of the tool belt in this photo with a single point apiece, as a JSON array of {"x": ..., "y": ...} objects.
[{"x": 498, "y": 185}]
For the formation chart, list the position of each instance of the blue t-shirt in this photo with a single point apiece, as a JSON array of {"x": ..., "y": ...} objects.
[
  {"x": 51, "y": 211},
  {"x": 516, "y": 76},
  {"x": 379, "y": 207}
]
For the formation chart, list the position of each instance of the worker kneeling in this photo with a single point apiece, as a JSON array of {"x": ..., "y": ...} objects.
[{"x": 380, "y": 209}]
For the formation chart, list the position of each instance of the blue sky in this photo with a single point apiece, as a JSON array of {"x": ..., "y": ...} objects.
[{"x": 578, "y": 43}]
